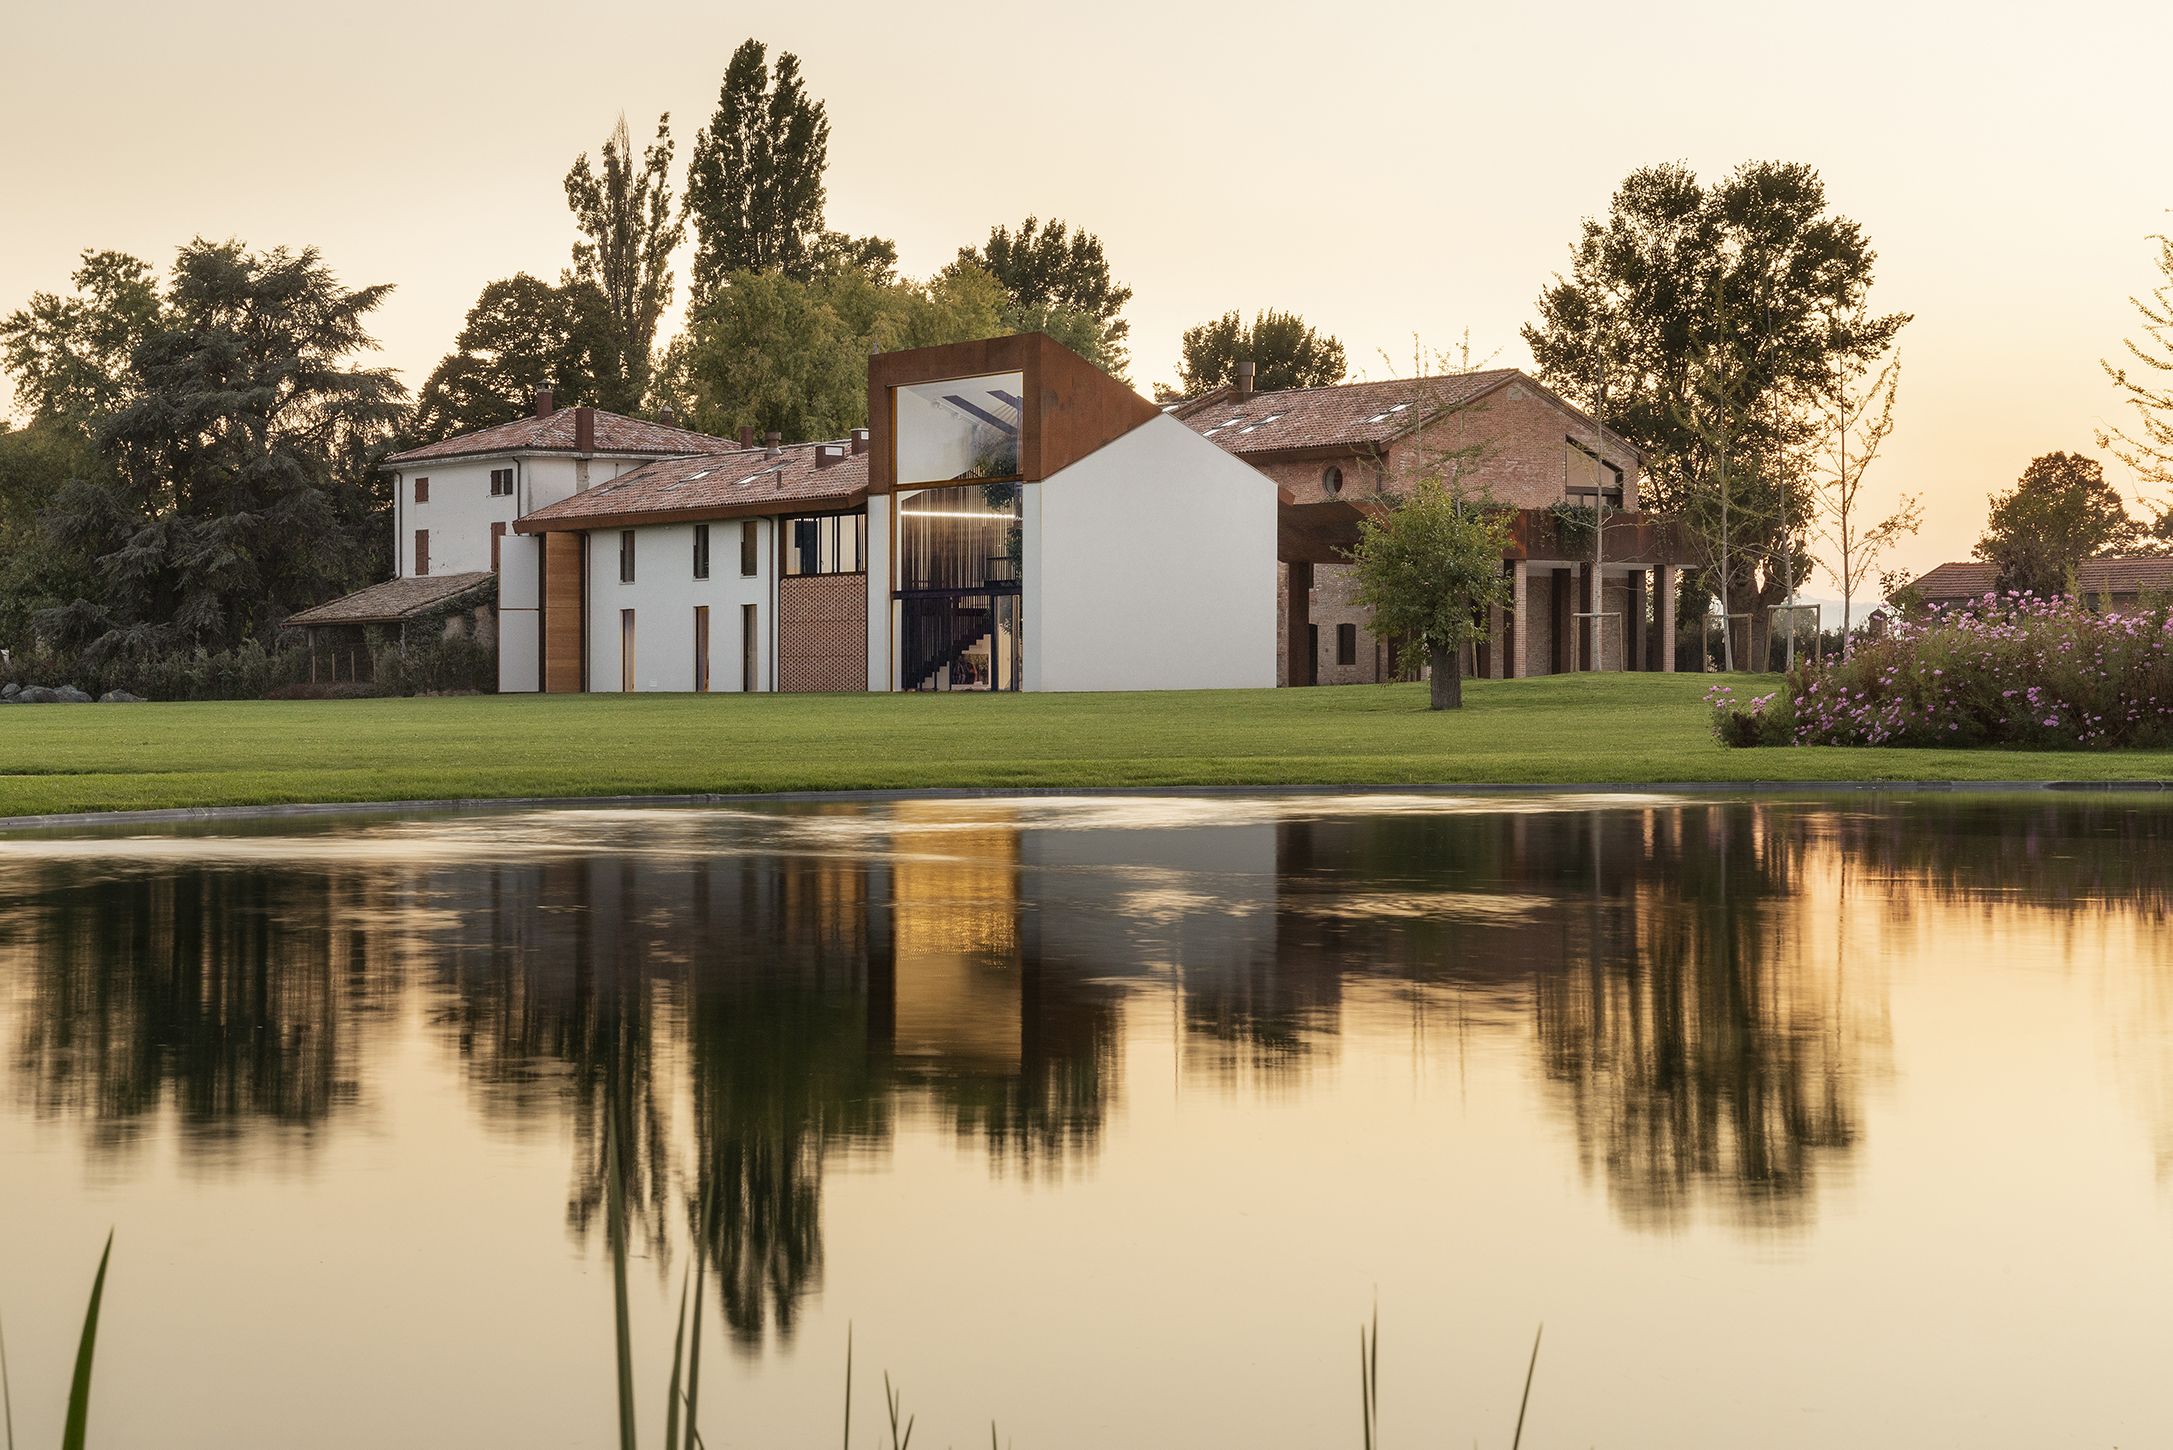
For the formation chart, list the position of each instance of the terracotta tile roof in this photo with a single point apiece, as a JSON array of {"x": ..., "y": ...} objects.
[
  {"x": 2115, "y": 574},
  {"x": 615, "y": 433},
  {"x": 393, "y": 600},
  {"x": 1345, "y": 415},
  {"x": 1961, "y": 580},
  {"x": 730, "y": 485},
  {"x": 2129, "y": 574}
]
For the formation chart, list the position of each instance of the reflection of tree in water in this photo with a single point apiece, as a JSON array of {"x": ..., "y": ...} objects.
[
  {"x": 1051, "y": 1108},
  {"x": 1699, "y": 1051},
  {"x": 232, "y": 992}
]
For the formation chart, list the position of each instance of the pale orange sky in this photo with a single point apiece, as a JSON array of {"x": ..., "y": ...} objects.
[{"x": 1383, "y": 169}]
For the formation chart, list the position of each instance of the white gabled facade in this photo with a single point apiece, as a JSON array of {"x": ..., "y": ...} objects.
[{"x": 664, "y": 599}]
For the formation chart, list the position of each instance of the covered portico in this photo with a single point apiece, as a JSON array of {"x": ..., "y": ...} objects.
[{"x": 1572, "y": 607}]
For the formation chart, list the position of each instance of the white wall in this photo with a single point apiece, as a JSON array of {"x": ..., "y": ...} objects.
[
  {"x": 1150, "y": 565},
  {"x": 663, "y": 597},
  {"x": 880, "y": 606},
  {"x": 462, "y": 508}
]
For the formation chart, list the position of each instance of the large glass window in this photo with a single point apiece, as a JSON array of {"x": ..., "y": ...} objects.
[
  {"x": 959, "y": 538},
  {"x": 960, "y": 429},
  {"x": 826, "y": 544}
]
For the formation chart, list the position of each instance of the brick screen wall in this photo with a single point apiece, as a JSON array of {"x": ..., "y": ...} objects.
[{"x": 822, "y": 633}]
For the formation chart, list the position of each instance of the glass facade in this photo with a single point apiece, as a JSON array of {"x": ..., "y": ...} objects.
[
  {"x": 960, "y": 429},
  {"x": 826, "y": 544},
  {"x": 958, "y": 587}
]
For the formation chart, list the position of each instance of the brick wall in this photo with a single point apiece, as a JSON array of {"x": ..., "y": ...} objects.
[{"x": 822, "y": 632}]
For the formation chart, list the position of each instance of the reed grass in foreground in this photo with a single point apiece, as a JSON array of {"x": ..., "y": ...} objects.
[{"x": 1629, "y": 729}]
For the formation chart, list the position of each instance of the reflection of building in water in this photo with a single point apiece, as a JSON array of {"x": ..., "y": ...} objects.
[{"x": 955, "y": 924}]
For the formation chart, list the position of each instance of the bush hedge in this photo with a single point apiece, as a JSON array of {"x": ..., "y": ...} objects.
[{"x": 2005, "y": 670}]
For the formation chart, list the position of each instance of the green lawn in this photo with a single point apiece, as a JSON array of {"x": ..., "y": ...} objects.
[{"x": 1618, "y": 728}]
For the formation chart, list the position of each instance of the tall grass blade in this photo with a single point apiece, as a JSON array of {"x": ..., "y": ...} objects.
[
  {"x": 1369, "y": 1378},
  {"x": 694, "y": 1354},
  {"x": 679, "y": 1345},
  {"x": 615, "y": 1230},
  {"x": 76, "y": 1432},
  {"x": 848, "y": 1385},
  {"x": 7, "y": 1395},
  {"x": 1529, "y": 1370}
]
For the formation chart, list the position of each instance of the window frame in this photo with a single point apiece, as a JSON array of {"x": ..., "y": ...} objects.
[
  {"x": 422, "y": 490},
  {"x": 1346, "y": 644},
  {"x": 831, "y": 532},
  {"x": 626, "y": 556},
  {"x": 750, "y": 548},
  {"x": 701, "y": 551}
]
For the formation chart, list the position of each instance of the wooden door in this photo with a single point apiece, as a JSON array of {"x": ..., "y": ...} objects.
[{"x": 701, "y": 649}]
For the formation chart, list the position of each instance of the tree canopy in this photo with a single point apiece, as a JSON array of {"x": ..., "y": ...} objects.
[
  {"x": 2145, "y": 380},
  {"x": 1285, "y": 353},
  {"x": 1753, "y": 278},
  {"x": 2059, "y": 513},
  {"x": 755, "y": 181},
  {"x": 628, "y": 230},
  {"x": 224, "y": 474},
  {"x": 1055, "y": 275},
  {"x": 520, "y": 333},
  {"x": 1428, "y": 570}
]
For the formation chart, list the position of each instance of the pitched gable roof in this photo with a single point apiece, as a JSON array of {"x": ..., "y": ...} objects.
[
  {"x": 740, "y": 484},
  {"x": 394, "y": 600},
  {"x": 2114, "y": 574},
  {"x": 1344, "y": 415},
  {"x": 554, "y": 433}
]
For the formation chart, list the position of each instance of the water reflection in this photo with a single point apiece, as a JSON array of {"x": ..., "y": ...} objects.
[{"x": 747, "y": 997}]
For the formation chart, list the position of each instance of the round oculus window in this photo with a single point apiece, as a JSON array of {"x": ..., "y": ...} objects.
[{"x": 1331, "y": 480}]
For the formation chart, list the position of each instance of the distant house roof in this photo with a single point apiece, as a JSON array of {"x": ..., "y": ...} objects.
[
  {"x": 2114, "y": 574},
  {"x": 1344, "y": 415},
  {"x": 554, "y": 432},
  {"x": 1960, "y": 580},
  {"x": 394, "y": 600},
  {"x": 740, "y": 484}
]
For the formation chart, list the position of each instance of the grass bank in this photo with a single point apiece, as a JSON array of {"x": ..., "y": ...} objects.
[{"x": 1626, "y": 728}]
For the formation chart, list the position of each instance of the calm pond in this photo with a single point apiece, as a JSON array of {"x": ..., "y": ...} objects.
[{"x": 1834, "y": 1122}]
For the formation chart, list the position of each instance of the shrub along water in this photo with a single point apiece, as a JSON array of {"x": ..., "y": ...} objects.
[{"x": 2007, "y": 670}]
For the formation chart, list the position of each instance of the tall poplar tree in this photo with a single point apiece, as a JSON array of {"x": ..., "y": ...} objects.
[
  {"x": 1050, "y": 269},
  {"x": 754, "y": 183},
  {"x": 628, "y": 230}
]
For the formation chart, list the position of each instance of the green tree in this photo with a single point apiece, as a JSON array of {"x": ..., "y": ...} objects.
[
  {"x": 2145, "y": 380},
  {"x": 628, "y": 230},
  {"x": 1051, "y": 271},
  {"x": 239, "y": 483},
  {"x": 2059, "y": 513},
  {"x": 1429, "y": 569},
  {"x": 875, "y": 258},
  {"x": 772, "y": 352},
  {"x": 1284, "y": 352},
  {"x": 755, "y": 181},
  {"x": 68, "y": 356},
  {"x": 1637, "y": 319},
  {"x": 522, "y": 332},
  {"x": 36, "y": 462}
]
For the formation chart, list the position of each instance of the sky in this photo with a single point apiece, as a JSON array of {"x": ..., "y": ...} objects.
[{"x": 1398, "y": 173}]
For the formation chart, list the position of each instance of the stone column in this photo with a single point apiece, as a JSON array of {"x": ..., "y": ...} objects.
[
  {"x": 1633, "y": 623},
  {"x": 1664, "y": 618},
  {"x": 1494, "y": 663},
  {"x": 1588, "y": 631},
  {"x": 1519, "y": 650}
]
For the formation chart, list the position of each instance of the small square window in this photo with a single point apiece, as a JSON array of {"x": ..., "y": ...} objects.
[
  {"x": 501, "y": 482},
  {"x": 422, "y": 490}
]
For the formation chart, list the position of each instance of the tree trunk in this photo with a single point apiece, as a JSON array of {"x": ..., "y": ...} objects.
[{"x": 1447, "y": 669}]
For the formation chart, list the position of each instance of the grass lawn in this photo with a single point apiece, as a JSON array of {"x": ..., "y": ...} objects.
[{"x": 1618, "y": 728}]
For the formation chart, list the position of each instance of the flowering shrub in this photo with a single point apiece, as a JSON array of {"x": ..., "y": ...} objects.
[
  {"x": 2004, "y": 670},
  {"x": 1761, "y": 720}
]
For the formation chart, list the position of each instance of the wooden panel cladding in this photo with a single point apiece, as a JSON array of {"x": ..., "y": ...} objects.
[
  {"x": 562, "y": 608},
  {"x": 822, "y": 632},
  {"x": 1071, "y": 406}
]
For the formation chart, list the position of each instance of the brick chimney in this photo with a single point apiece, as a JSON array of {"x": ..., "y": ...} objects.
[
  {"x": 584, "y": 430},
  {"x": 770, "y": 442},
  {"x": 668, "y": 416},
  {"x": 546, "y": 399},
  {"x": 747, "y": 437},
  {"x": 1244, "y": 381},
  {"x": 860, "y": 440},
  {"x": 829, "y": 454}
]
